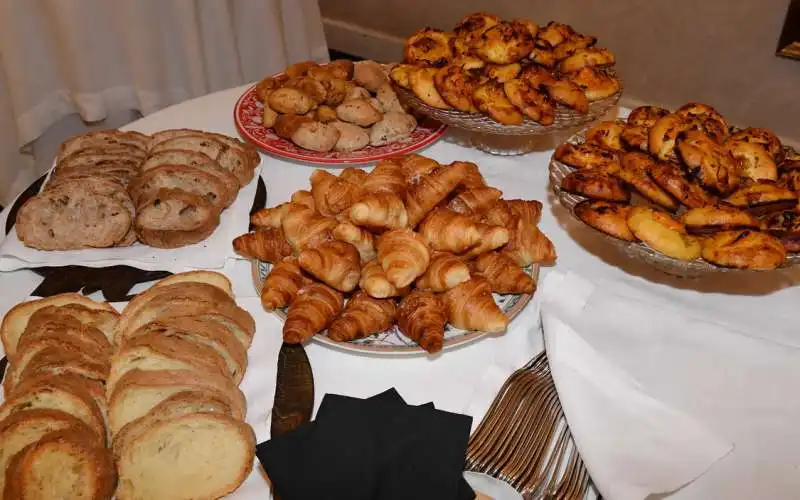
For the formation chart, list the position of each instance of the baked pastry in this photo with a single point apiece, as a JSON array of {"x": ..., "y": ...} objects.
[
  {"x": 663, "y": 233},
  {"x": 569, "y": 94},
  {"x": 588, "y": 57},
  {"x": 756, "y": 163},
  {"x": 429, "y": 47},
  {"x": 457, "y": 81},
  {"x": 554, "y": 33},
  {"x": 503, "y": 72},
  {"x": 362, "y": 316},
  {"x": 635, "y": 171},
  {"x": 470, "y": 306},
  {"x": 594, "y": 185},
  {"x": 711, "y": 121},
  {"x": 607, "y": 217},
  {"x": 673, "y": 180},
  {"x": 762, "y": 197},
  {"x": 596, "y": 84},
  {"x": 375, "y": 283},
  {"x": 446, "y": 231},
  {"x": 636, "y": 133},
  {"x": 335, "y": 263},
  {"x": 533, "y": 103},
  {"x": 423, "y": 83},
  {"x": 663, "y": 135},
  {"x": 502, "y": 273},
  {"x": 763, "y": 137},
  {"x": 712, "y": 219},
  {"x": 607, "y": 135},
  {"x": 421, "y": 316},
  {"x": 713, "y": 166},
  {"x": 504, "y": 43},
  {"x": 745, "y": 249},
  {"x": 403, "y": 255},
  {"x": 786, "y": 227},
  {"x": 790, "y": 180},
  {"x": 584, "y": 156},
  {"x": 282, "y": 284},
  {"x": 444, "y": 272},
  {"x": 490, "y": 98}
]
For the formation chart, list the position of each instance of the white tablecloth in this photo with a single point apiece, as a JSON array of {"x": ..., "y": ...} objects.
[{"x": 761, "y": 306}]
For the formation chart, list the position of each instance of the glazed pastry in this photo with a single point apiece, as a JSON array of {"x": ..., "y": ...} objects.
[
  {"x": 763, "y": 137},
  {"x": 431, "y": 190},
  {"x": 762, "y": 197},
  {"x": 555, "y": 33},
  {"x": 606, "y": 135},
  {"x": 421, "y": 80},
  {"x": 335, "y": 263},
  {"x": 476, "y": 23},
  {"x": 267, "y": 245},
  {"x": 646, "y": 116},
  {"x": 607, "y": 217},
  {"x": 528, "y": 245},
  {"x": 528, "y": 210},
  {"x": 504, "y": 43},
  {"x": 492, "y": 238},
  {"x": 447, "y": 231},
  {"x": 528, "y": 99},
  {"x": 457, "y": 82},
  {"x": 597, "y": 186},
  {"x": 531, "y": 26},
  {"x": 475, "y": 201},
  {"x": 379, "y": 212},
  {"x": 588, "y": 57},
  {"x": 503, "y": 72},
  {"x": 445, "y": 271},
  {"x": 712, "y": 219},
  {"x": 470, "y": 306},
  {"x": 490, "y": 98},
  {"x": 710, "y": 120},
  {"x": 303, "y": 227},
  {"x": 543, "y": 57},
  {"x": 503, "y": 274},
  {"x": 635, "y": 172},
  {"x": 332, "y": 195},
  {"x": 282, "y": 284},
  {"x": 353, "y": 175},
  {"x": 661, "y": 232},
  {"x": 744, "y": 249},
  {"x": 569, "y": 94},
  {"x": 584, "y": 155},
  {"x": 595, "y": 84},
  {"x": 574, "y": 43},
  {"x": 416, "y": 166},
  {"x": 270, "y": 217},
  {"x": 363, "y": 316},
  {"x": 536, "y": 76},
  {"x": 674, "y": 181},
  {"x": 784, "y": 226},
  {"x": 361, "y": 239},
  {"x": 663, "y": 136},
  {"x": 303, "y": 197},
  {"x": 756, "y": 163},
  {"x": 403, "y": 256},
  {"x": 421, "y": 316},
  {"x": 428, "y": 47},
  {"x": 314, "y": 308},
  {"x": 472, "y": 178},
  {"x": 790, "y": 180},
  {"x": 710, "y": 163},
  {"x": 635, "y": 137}
]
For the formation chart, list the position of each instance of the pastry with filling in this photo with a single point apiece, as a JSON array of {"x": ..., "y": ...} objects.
[
  {"x": 713, "y": 166},
  {"x": 584, "y": 156},
  {"x": 712, "y": 219},
  {"x": 756, "y": 163},
  {"x": 607, "y": 135},
  {"x": 596, "y": 84},
  {"x": 786, "y": 227},
  {"x": 762, "y": 198},
  {"x": 744, "y": 249},
  {"x": 711, "y": 121},
  {"x": 607, "y": 217},
  {"x": 595, "y": 185},
  {"x": 674, "y": 181},
  {"x": 763, "y": 137},
  {"x": 663, "y": 233},
  {"x": 635, "y": 172},
  {"x": 428, "y": 47},
  {"x": 663, "y": 136},
  {"x": 504, "y": 43}
]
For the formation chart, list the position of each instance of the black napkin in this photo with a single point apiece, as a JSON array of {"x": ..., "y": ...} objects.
[{"x": 371, "y": 449}]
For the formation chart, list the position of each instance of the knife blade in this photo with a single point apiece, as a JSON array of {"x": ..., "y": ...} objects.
[{"x": 294, "y": 390}]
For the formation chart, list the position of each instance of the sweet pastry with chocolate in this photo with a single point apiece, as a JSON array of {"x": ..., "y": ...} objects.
[
  {"x": 674, "y": 181},
  {"x": 761, "y": 198},
  {"x": 786, "y": 227},
  {"x": 595, "y": 185},
  {"x": 744, "y": 249},
  {"x": 663, "y": 233},
  {"x": 607, "y": 135},
  {"x": 711, "y": 121},
  {"x": 635, "y": 172},
  {"x": 607, "y": 217},
  {"x": 763, "y": 137},
  {"x": 712, "y": 165},
  {"x": 712, "y": 219},
  {"x": 756, "y": 163},
  {"x": 583, "y": 156},
  {"x": 663, "y": 135}
]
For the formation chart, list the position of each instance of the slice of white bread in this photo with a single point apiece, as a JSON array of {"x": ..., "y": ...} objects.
[
  {"x": 190, "y": 179},
  {"x": 28, "y": 426},
  {"x": 192, "y": 159},
  {"x": 236, "y": 320},
  {"x": 67, "y": 394},
  {"x": 59, "y": 322},
  {"x": 102, "y": 319},
  {"x": 102, "y": 139},
  {"x": 61, "y": 360},
  {"x": 174, "y": 218},
  {"x": 16, "y": 320},
  {"x": 137, "y": 392},
  {"x": 65, "y": 464},
  {"x": 177, "y": 405},
  {"x": 219, "y": 453},
  {"x": 216, "y": 279},
  {"x": 154, "y": 351},
  {"x": 205, "y": 332}
]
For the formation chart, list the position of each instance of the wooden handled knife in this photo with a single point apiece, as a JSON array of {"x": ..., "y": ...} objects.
[{"x": 294, "y": 390}]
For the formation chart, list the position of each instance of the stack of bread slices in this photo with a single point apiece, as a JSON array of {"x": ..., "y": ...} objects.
[
  {"x": 112, "y": 188},
  {"x": 157, "y": 405}
]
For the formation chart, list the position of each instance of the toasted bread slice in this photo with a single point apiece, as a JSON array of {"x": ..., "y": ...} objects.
[
  {"x": 154, "y": 351},
  {"x": 190, "y": 179},
  {"x": 28, "y": 426},
  {"x": 16, "y": 320},
  {"x": 59, "y": 323},
  {"x": 59, "y": 360},
  {"x": 64, "y": 464},
  {"x": 221, "y": 448},
  {"x": 219, "y": 280},
  {"x": 174, "y": 218},
  {"x": 102, "y": 319},
  {"x": 192, "y": 159},
  {"x": 138, "y": 392},
  {"x": 103, "y": 139}
]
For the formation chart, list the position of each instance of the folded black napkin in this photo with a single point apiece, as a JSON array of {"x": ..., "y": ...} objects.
[{"x": 371, "y": 449}]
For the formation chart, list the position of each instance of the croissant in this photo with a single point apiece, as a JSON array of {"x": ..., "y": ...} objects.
[
  {"x": 379, "y": 212},
  {"x": 359, "y": 238},
  {"x": 502, "y": 273},
  {"x": 528, "y": 210},
  {"x": 470, "y": 306},
  {"x": 304, "y": 227},
  {"x": 334, "y": 262},
  {"x": 430, "y": 191},
  {"x": 445, "y": 271},
  {"x": 474, "y": 201},
  {"x": 270, "y": 217},
  {"x": 499, "y": 214},
  {"x": 282, "y": 283},
  {"x": 387, "y": 176},
  {"x": 314, "y": 308},
  {"x": 403, "y": 256},
  {"x": 268, "y": 245},
  {"x": 303, "y": 197},
  {"x": 421, "y": 316},
  {"x": 472, "y": 175},
  {"x": 527, "y": 244},
  {"x": 332, "y": 195},
  {"x": 353, "y": 175},
  {"x": 448, "y": 231},
  {"x": 363, "y": 316},
  {"x": 374, "y": 282},
  {"x": 416, "y": 166},
  {"x": 492, "y": 238}
]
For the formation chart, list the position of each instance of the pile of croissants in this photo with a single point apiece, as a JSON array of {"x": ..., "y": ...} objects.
[
  {"x": 413, "y": 243},
  {"x": 507, "y": 70}
]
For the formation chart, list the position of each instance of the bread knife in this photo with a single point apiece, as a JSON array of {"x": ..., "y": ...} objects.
[{"x": 294, "y": 390}]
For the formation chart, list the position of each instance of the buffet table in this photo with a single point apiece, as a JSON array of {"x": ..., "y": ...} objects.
[{"x": 756, "y": 309}]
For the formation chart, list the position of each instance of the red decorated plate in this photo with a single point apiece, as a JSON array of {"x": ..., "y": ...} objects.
[{"x": 247, "y": 115}]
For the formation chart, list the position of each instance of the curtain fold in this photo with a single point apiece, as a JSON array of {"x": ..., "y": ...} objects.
[{"x": 96, "y": 57}]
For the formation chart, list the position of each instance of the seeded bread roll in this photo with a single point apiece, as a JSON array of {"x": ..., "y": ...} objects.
[
  {"x": 189, "y": 179},
  {"x": 173, "y": 218}
]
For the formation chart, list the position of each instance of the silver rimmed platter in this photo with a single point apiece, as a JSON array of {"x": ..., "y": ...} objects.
[{"x": 392, "y": 341}]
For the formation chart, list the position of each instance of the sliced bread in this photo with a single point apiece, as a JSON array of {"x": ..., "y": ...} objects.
[
  {"x": 192, "y": 159},
  {"x": 234, "y": 159},
  {"x": 138, "y": 392},
  {"x": 72, "y": 218},
  {"x": 236, "y": 320},
  {"x": 60, "y": 360},
  {"x": 165, "y": 135},
  {"x": 103, "y": 139},
  {"x": 28, "y": 426},
  {"x": 219, "y": 452},
  {"x": 173, "y": 218},
  {"x": 16, "y": 320},
  {"x": 58, "y": 323},
  {"x": 104, "y": 320},
  {"x": 189, "y": 179},
  {"x": 106, "y": 157},
  {"x": 216, "y": 279},
  {"x": 64, "y": 464},
  {"x": 118, "y": 175}
]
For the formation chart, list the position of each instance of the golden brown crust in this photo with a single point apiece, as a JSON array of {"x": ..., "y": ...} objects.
[
  {"x": 664, "y": 133},
  {"x": 784, "y": 226},
  {"x": 635, "y": 171},
  {"x": 663, "y": 233},
  {"x": 763, "y": 137},
  {"x": 712, "y": 165},
  {"x": 710, "y": 120},
  {"x": 569, "y": 94},
  {"x": 421, "y": 316},
  {"x": 607, "y": 217},
  {"x": 457, "y": 81},
  {"x": 533, "y": 103},
  {"x": 504, "y": 43},
  {"x": 762, "y": 198},
  {"x": 594, "y": 185},
  {"x": 588, "y": 57},
  {"x": 607, "y": 135},
  {"x": 490, "y": 98},
  {"x": 362, "y": 316},
  {"x": 585, "y": 156},
  {"x": 428, "y": 46},
  {"x": 711, "y": 219},
  {"x": 673, "y": 180},
  {"x": 646, "y": 116},
  {"x": 745, "y": 249},
  {"x": 756, "y": 162},
  {"x": 595, "y": 84}
]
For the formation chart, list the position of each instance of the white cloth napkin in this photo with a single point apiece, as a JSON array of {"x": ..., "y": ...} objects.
[{"x": 209, "y": 254}]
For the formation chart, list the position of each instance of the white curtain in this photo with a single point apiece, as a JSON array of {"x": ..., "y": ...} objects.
[{"x": 68, "y": 62}]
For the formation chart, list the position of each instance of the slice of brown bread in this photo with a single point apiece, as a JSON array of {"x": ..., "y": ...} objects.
[
  {"x": 177, "y": 405},
  {"x": 64, "y": 464},
  {"x": 165, "y": 135},
  {"x": 192, "y": 159},
  {"x": 221, "y": 448},
  {"x": 189, "y": 179},
  {"x": 251, "y": 152},
  {"x": 103, "y": 139},
  {"x": 118, "y": 175},
  {"x": 214, "y": 278},
  {"x": 67, "y": 394},
  {"x": 105, "y": 157},
  {"x": 72, "y": 218},
  {"x": 16, "y": 320},
  {"x": 200, "y": 142},
  {"x": 138, "y": 392},
  {"x": 28, "y": 426},
  {"x": 231, "y": 157},
  {"x": 154, "y": 351},
  {"x": 173, "y": 218}
]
